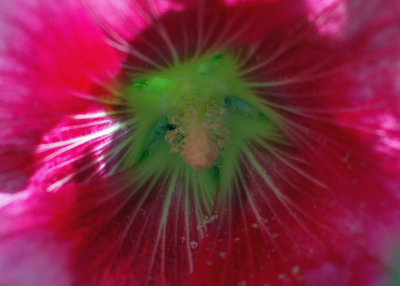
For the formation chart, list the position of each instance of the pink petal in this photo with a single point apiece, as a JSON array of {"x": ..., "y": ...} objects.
[
  {"x": 127, "y": 222},
  {"x": 123, "y": 20},
  {"x": 31, "y": 254},
  {"x": 316, "y": 211},
  {"x": 76, "y": 149},
  {"x": 47, "y": 69},
  {"x": 321, "y": 226}
]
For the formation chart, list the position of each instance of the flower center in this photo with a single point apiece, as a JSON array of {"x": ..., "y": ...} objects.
[
  {"x": 195, "y": 118},
  {"x": 191, "y": 95}
]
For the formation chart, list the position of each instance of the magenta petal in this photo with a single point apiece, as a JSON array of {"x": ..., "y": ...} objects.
[
  {"x": 316, "y": 206},
  {"x": 31, "y": 254},
  {"x": 310, "y": 238},
  {"x": 34, "y": 258},
  {"x": 120, "y": 19},
  {"x": 44, "y": 77},
  {"x": 75, "y": 150},
  {"x": 142, "y": 237}
]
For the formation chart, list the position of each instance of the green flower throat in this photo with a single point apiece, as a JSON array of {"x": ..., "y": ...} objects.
[{"x": 197, "y": 118}]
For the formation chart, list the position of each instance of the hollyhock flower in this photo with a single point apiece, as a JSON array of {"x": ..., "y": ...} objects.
[{"x": 150, "y": 142}]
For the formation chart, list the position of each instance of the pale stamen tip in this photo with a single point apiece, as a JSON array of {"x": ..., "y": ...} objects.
[
  {"x": 200, "y": 151},
  {"x": 199, "y": 139}
]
